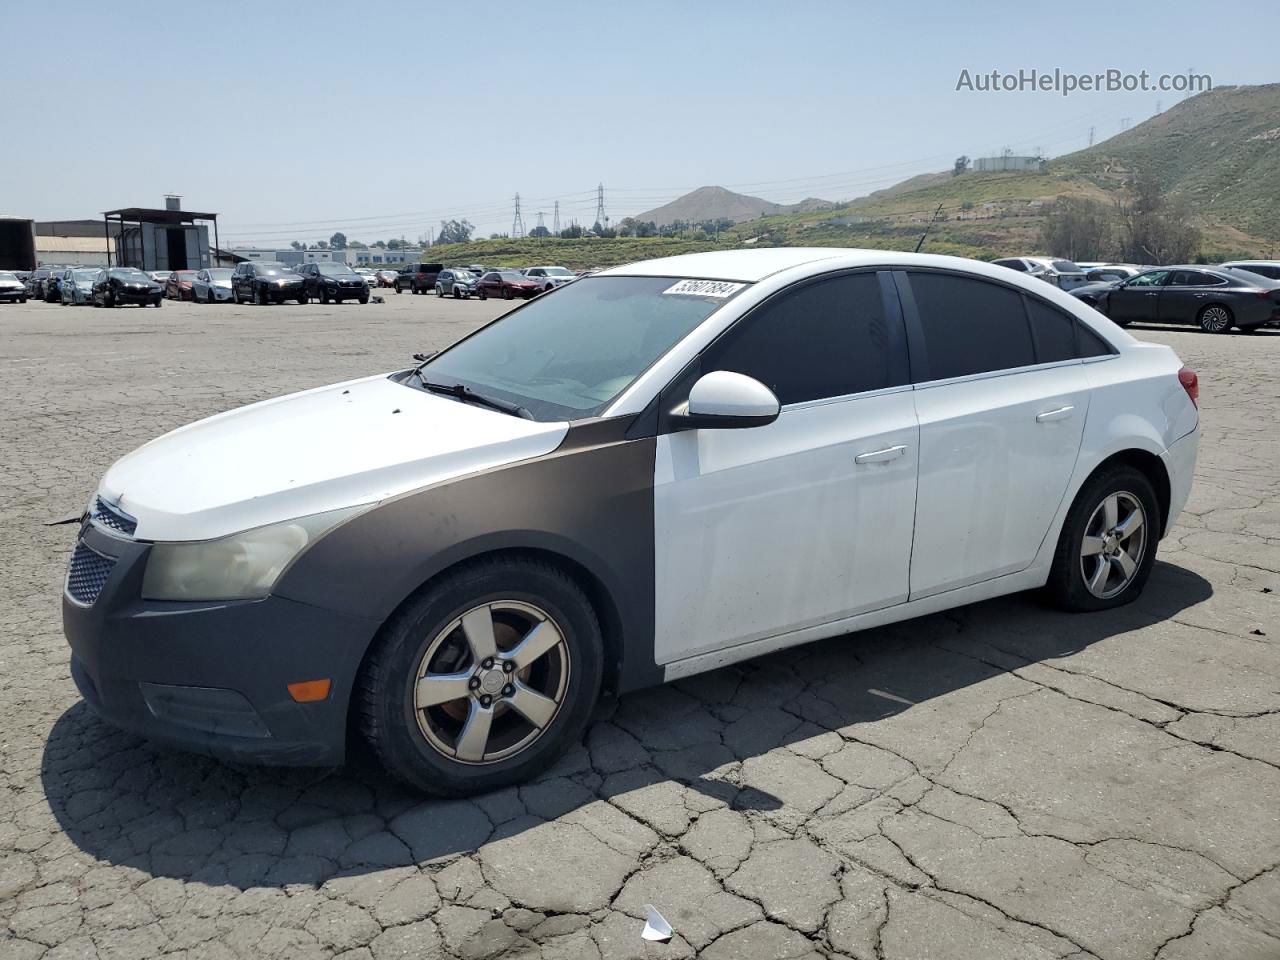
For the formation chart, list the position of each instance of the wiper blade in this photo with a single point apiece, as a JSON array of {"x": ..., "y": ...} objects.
[{"x": 464, "y": 393}]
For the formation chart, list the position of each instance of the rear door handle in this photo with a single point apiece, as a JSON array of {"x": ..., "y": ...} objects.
[
  {"x": 880, "y": 456},
  {"x": 1050, "y": 415}
]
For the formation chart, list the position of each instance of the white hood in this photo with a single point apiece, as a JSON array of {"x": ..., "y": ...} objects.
[{"x": 339, "y": 446}]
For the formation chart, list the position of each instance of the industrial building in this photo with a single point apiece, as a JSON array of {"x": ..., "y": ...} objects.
[
  {"x": 162, "y": 239},
  {"x": 1008, "y": 162}
]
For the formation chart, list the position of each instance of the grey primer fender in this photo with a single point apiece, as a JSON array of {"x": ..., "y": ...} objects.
[{"x": 587, "y": 505}]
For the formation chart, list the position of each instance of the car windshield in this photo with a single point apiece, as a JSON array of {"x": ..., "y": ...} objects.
[
  {"x": 558, "y": 272},
  {"x": 129, "y": 273},
  {"x": 567, "y": 357},
  {"x": 186, "y": 274},
  {"x": 6, "y": 275},
  {"x": 83, "y": 274},
  {"x": 512, "y": 275},
  {"x": 272, "y": 269},
  {"x": 336, "y": 270},
  {"x": 221, "y": 273}
]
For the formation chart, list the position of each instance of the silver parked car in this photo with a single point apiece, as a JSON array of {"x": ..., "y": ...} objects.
[
  {"x": 211, "y": 285},
  {"x": 1061, "y": 273},
  {"x": 1263, "y": 268},
  {"x": 76, "y": 285}
]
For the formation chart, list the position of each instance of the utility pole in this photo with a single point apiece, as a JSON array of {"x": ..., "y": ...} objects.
[
  {"x": 1091, "y": 136},
  {"x": 600, "y": 217},
  {"x": 1159, "y": 105},
  {"x": 517, "y": 224},
  {"x": 920, "y": 243},
  {"x": 1124, "y": 123},
  {"x": 555, "y": 220}
]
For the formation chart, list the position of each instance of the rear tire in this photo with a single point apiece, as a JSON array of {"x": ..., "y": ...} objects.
[
  {"x": 1215, "y": 318},
  {"x": 1103, "y": 561},
  {"x": 416, "y": 743}
]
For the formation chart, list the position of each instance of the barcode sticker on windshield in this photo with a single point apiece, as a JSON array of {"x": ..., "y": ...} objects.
[{"x": 720, "y": 289}]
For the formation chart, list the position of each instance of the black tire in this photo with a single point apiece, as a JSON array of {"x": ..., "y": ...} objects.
[
  {"x": 364, "y": 298},
  {"x": 456, "y": 294},
  {"x": 324, "y": 297},
  {"x": 439, "y": 291},
  {"x": 262, "y": 297},
  {"x": 303, "y": 300},
  {"x": 1066, "y": 587},
  {"x": 384, "y": 702},
  {"x": 483, "y": 295},
  {"x": 508, "y": 293},
  {"x": 1216, "y": 318},
  {"x": 397, "y": 286}
]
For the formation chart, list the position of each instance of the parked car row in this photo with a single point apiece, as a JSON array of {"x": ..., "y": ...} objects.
[
  {"x": 474, "y": 279},
  {"x": 1236, "y": 294}
]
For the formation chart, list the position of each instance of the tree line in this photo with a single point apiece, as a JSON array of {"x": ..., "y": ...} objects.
[{"x": 1142, "y": 225}]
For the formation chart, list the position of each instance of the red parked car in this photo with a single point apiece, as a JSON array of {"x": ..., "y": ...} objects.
[
  {"x": 178, "y": 285},
  {"x": 507, "y": 284}
]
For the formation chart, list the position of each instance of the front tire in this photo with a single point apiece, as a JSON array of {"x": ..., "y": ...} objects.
[
  {"x": 1108, "y": 542},
  {"x": 482, "y": 679}
]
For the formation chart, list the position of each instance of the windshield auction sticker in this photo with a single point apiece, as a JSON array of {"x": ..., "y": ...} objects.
[{"x": 719, "y": 289}]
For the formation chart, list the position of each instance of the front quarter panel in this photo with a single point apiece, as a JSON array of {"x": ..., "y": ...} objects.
[{"x": 589, "y": 505}]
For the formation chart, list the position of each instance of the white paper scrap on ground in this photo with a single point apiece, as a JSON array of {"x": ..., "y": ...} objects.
[{"x": 656, "y": 926}]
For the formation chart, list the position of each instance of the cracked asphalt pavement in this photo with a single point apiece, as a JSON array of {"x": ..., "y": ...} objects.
[{"x": 1002, "y": 781}]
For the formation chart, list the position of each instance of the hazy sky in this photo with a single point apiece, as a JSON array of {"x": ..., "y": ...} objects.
[{"x": 292, "y": 121}]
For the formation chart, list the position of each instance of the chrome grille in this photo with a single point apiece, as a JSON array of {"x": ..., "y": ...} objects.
[
  {"x": 108, "y": 516},
  {"x": 87, "y": 574}
]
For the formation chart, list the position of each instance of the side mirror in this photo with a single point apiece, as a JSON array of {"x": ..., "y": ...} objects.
[{"x": 723, "y": 399}]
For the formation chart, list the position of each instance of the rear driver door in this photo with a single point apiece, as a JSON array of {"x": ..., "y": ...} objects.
[{"x": 1001, "y": 414}]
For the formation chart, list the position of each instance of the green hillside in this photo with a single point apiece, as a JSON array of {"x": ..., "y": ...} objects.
[{"x": 1219, "y": 151}]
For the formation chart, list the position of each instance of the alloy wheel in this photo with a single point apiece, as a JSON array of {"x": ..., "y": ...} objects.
[
  {"x": 1114, "y": 544},
  {"x": 491, "y": 682},
  {"x": 1215, "y": 319}
]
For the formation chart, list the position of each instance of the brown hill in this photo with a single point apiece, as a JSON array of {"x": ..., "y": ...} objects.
[{"x": 712, "y": 203}]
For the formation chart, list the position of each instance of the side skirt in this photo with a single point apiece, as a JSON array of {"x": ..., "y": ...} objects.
[{"x": 1031, "y": 578}]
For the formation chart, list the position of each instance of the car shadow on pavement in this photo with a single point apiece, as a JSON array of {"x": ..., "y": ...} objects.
[{"x": 718, "y": 735}]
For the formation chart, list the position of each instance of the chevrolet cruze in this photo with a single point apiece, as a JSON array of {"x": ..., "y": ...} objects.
[{"x": 654, "y": 471}]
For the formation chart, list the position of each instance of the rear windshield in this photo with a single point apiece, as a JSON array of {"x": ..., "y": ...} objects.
[{"x": 1066, "y": 266}]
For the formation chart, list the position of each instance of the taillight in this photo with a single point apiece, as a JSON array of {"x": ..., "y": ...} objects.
[{"x": 1190, "y": 383}]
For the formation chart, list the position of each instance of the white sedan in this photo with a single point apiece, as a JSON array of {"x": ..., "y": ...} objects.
[{"x": 665, "y": 468}]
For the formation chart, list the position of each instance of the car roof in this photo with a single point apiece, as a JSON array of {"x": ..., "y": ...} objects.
[
  {"x": 750, "y": 266},
  {"x": 1236, "y": 263}
]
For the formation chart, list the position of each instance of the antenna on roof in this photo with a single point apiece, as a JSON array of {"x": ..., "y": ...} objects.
[{"x": 927, "y": 226}]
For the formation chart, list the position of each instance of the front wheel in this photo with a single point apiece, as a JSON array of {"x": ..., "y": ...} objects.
[
  {"x": 1108, "y": 542},
  {"x": 397, "y": 288},
  {"x": 439, "y": 290},
  {"x": 1215, "y": 319},
  {"x": 483, "y": 679},
  {"x": 262, "y": 296},
  {"x": 483, "y": 295}
]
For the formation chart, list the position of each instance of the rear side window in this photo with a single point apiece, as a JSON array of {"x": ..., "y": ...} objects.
[
  {"x": 825, "y": 339},
  {"x": 970, "y": 326},
  {"x": 1059, "y": 336},
  {"x": 1012, "y": 265},
  {"x": 1053, "y": 332}
]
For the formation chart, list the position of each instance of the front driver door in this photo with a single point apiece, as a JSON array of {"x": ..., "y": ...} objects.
[{"x": 765, "y": 530}]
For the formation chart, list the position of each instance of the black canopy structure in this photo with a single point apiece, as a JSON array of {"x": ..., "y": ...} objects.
[{"x": 167, "y": 217}]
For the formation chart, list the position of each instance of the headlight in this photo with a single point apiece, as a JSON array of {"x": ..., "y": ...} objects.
[{"x": 239, "y": 567}]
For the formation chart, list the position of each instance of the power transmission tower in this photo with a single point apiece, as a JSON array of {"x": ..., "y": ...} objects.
[
  {"x": 517, "y": 223},
  {"x": 1159, "y": 105},
  {"x": 541, "y": 225},
  {"x": 1124, "y": 123},
  {"x": 600, "y": 217},
  {"x": 555, "y": 220},
  {"x": 1091, "y": 136}
]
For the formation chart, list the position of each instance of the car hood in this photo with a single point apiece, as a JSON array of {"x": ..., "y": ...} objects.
[{"x": 344, "y": 445}]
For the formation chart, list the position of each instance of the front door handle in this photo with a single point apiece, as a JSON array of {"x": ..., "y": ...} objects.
[
  {"x": 881, "y": 456},
  {"x": 1050, "y": 415}
]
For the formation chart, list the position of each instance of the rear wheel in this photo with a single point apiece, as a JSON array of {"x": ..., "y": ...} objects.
[
  {"x": 1108, "y": 542},
  {"x": 484, "y": 679},
  {"x": 1215, "y": 318}
]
